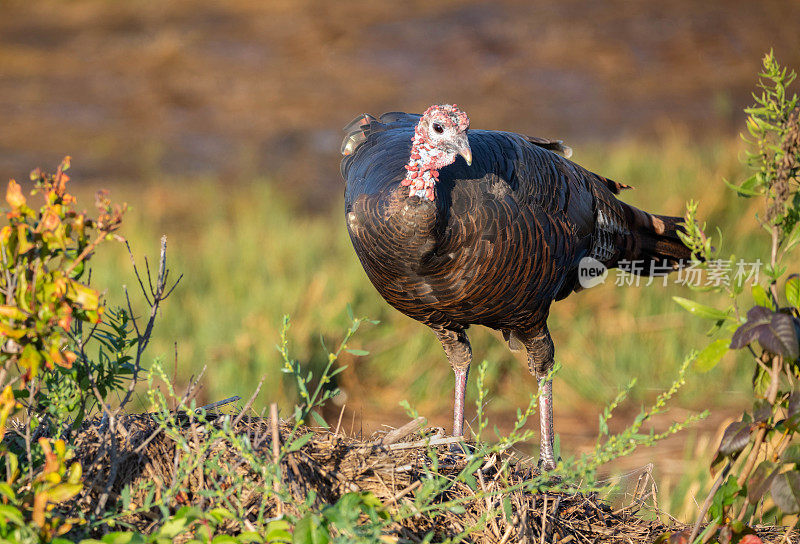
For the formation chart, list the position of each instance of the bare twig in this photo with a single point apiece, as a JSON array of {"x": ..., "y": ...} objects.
[
  {"x": 422, "y": 443},
  {"x": 406, "y": 491},
  {"x": 544, "y": 519},
  {"x": 88, "y": 249},
  {"x": 157, "y": 295},
  {"x": 276, "y": 453},
  {"x": 396, "y": 434},
  {"x": 339, "y": 422},
  {"x": 249, "y": 403},
  {"x": 709, "y": 500}
]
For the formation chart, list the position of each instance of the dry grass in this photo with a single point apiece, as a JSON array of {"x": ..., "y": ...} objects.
[{"x": 392, "y": 466}]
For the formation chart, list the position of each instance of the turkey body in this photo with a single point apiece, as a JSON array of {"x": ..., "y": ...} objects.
[{"x": 502, "y": 239}]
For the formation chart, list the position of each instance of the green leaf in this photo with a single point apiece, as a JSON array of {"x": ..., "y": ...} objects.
[
  {"x": 121, "y": 537},
  {"x": 220, "y": 513},
  {"x": 724, "y": 497},
  {"x": 793, "y": 290},
  {"x": 11, "y": 514},
  {"x": 701, "y": 310},
  {"x": 7, "y": 491},
  {"x": 711, "y": 355},
  {"x": 321, "y": 422},
  {"x": 761, "y": 298},
  {"x": 277, "y": 531},
  {"x": 359, "y": 352},
  {"x": 224, "y": 539},
  {"x": 309, "y": 530},
  {"x": 747, "y": 188},
  {"x": 299, "y": 442},
  {"x": 179, "y": 522},
  {"x": 507, "y": 511}
]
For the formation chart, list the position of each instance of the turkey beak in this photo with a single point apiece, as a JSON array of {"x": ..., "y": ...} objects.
[{"x": 465, "y": 151}]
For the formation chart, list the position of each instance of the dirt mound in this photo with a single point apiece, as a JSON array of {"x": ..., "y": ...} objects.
[{"x": 154, "y": 457}]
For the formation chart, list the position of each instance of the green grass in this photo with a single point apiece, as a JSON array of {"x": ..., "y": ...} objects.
[{"x": 248, "y": 257}]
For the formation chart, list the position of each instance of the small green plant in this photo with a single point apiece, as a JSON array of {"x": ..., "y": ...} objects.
[
  {"x": 316, "y": 396},
  {"x": 765, "y": 324}
]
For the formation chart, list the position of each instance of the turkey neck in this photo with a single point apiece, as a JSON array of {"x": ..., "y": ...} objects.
[{"x": 421, "y": 172}]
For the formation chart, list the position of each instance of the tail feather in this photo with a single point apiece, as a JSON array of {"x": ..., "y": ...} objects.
[{"x": 652, "y": 245}]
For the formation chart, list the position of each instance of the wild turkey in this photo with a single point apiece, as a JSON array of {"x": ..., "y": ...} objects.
[{"x": 491, "y": 238}]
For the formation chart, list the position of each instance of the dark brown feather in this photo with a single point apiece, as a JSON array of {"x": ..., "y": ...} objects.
[{"x": 504, "y": 236}]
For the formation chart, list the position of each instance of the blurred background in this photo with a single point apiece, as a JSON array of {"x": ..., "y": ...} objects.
[{"x": 220, "y": 124}]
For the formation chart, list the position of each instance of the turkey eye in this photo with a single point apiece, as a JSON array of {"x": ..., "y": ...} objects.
[{"x": 438, "y": 128}]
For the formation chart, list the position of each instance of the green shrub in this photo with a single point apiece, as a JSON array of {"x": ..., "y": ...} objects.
[{"x": 763, "y": 319}]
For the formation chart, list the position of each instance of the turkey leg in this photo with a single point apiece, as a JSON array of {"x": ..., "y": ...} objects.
[
  {"x": 458, "y": 404},
  {"x": 459, "y": 355},
  {"x": 540, "y": 362},
  {"x": 546, "y": 437}
]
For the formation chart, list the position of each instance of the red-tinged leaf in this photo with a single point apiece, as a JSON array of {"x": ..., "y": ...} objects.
[
  {"x": 793, "y": 411},
  {"x": 678, "y": 537},
  {"x": 750, "y": 539},
  {"x": 735, "y": 438},
  {"x": 69, "y": 358},
  {"x": 762, "y": 411},
  {"x": 773, "y": 330},
  {"x": 785, "y": 491},
  {"x": 39, "y": 505},
  {"x": 761, "y": 480},
  {"x": 66, "y": 317},
  {"x": 792, "y": 455},
  {"x": 14, "y": 195},
  {"x": 51, "y": 462},
  {"x": 50, "y": 221}
]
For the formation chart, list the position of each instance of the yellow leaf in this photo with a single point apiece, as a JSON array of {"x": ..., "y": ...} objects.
[
  {"x": 31, "y": 359},
  {"x": 86, "y": 297},
  {"x": 11, "y": 332},
  {"x": 7, "y": 405},
  {"x": 75, "y": 473},
  {"x": 63, "y": 492},
  {"x": 11, "y": 312},
  {"x": 23, "y": 245}
]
